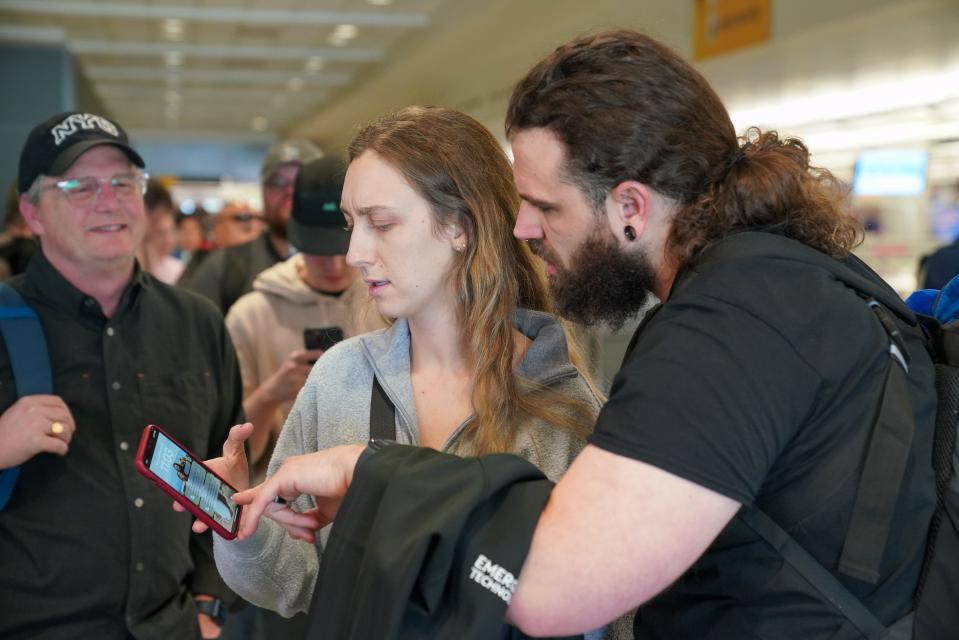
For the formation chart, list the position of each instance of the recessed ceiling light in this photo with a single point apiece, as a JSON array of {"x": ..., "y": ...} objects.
[
  {"x": 173, "y": 29},
  {"x": 346, "y": 32},
  {"x": 343, "y": 33},
  {"x": 173, "y": 58},
  {"x": 295, "y": 84},
  {"x": 380, "y": 3},
  {"x": 260, "y": 123},
  {"x": 314, "y": 64}
]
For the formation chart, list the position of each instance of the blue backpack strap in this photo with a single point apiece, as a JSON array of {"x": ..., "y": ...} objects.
[
  {"x": 26, "y": 344},
  {"x": 8, "y": 480},
  {"x": 29, "y": 359}
]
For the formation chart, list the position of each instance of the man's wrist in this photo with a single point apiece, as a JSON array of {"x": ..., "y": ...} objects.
[{"x": 212, "y": 607}]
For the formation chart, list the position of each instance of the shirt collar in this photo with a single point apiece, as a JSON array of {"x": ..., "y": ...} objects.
[{"x": 49, "y": 283}]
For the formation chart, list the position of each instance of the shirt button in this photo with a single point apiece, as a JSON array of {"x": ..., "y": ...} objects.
[
  {"x": 139, "y": 566},
  {"x": 138, "y": 502},
  {"x": 116, "y": 386},
  {"x": 110, "y": 331},
  {"x": 124, "y": 446}
]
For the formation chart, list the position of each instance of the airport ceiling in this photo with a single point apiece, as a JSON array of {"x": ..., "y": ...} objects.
[
  {"x": 226, "y": 67},
  {"x": 260, "y": 69}
]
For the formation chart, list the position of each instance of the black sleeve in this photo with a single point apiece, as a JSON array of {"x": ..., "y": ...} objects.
[
  {"x": 431, "y": 543},
  {"x": 711, "y": 393},
  {"x": 207, "y": 278}
]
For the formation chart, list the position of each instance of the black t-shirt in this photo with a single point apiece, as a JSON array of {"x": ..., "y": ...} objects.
[{"x": 759, "y": 377}]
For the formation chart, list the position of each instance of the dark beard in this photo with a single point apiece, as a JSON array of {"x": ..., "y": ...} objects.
[{"x": 605, "y": 285}]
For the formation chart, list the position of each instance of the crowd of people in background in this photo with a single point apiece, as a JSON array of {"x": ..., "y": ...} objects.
[{"x": 175, "y": 245}]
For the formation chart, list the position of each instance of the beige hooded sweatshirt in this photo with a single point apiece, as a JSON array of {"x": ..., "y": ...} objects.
[{"x": 267, "y": 324}]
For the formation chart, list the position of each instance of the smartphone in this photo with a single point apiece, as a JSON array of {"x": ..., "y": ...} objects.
[
  {"x": 170, "y": 466},
  {"x": 321, "y": 337}
]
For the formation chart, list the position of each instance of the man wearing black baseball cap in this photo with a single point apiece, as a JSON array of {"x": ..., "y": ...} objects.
[
  {"x": 229, "y": 273},
  {"x": 313, "y": 293},
  {"x": 313, "y": 289},
  {"x": 81, "y": 534}
]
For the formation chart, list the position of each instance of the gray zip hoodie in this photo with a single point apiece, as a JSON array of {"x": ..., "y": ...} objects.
[{"x": 275, "y": 572}]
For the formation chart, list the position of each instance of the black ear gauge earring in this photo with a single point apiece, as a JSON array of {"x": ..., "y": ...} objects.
[{"x": 630, "y": 233}]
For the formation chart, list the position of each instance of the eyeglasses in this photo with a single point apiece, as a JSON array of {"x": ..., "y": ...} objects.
[
  {"x": 278, "y": 182},
  {"x": 83, "y": 192},
  {"x": 243, "y": 218}
]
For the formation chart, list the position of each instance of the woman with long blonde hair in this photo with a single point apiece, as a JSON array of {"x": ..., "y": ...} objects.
[{"x": 472, "y": 363}]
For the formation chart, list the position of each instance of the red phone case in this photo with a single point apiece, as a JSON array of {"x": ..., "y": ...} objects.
[{"x": 189, "y": 506}]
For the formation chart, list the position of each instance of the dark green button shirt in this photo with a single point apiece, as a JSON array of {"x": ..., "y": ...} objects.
[{"x": 88, "y": 547}]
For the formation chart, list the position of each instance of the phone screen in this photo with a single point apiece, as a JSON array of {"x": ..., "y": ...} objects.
[{"x": 177, "y": 468}]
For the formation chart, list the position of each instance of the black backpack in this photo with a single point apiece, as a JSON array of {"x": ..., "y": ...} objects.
[
  {"x": 935, "y": 615},
  {"x": 937, "y": 609},
  {"x": 936, "y": 612}
]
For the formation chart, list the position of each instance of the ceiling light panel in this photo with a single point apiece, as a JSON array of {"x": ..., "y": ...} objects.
[{"x": 153, "y": 56}]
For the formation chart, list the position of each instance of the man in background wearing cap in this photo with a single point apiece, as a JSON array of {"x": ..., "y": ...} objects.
[
  {"x": 90, "y": 549},
  {"x": 229, "y": 273},
  {"x": 314, "y": 289}
]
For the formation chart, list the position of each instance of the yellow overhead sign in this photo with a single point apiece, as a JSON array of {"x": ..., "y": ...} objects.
[{"x": 726, "y": 25}]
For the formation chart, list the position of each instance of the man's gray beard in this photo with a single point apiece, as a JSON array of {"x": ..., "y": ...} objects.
[{"x": 604, "y": 284}]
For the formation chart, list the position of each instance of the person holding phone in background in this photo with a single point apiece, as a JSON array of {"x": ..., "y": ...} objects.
[
  {"x": 473, "y": 363},
  {"x": 89, "y": 548},
  {"x": 314, "y": 293}
]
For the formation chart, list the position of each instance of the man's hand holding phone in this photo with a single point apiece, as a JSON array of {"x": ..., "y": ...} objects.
[{"x": 283, "y": 385}]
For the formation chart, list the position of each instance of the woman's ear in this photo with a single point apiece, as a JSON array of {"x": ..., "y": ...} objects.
[{"x": 457, "y": 237}]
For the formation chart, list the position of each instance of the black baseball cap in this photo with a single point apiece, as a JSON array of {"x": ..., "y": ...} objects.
[
  {"x": 317, "y": 226},
  {"x": 57, "y": 142}
]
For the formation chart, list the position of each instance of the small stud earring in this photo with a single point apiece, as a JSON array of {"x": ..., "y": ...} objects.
[
  {"x": 461, "y": 248},
  {"x": 630, "y": 233}
]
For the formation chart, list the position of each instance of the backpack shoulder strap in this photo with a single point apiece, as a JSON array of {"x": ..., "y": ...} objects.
[
  {"x": 818, "y": 577},
  {"x": 884, "y": 466},
  {"x": 382, "y": 414},
  {"x": 25, "y": 343},
  {"x": 27, "y": 347}
]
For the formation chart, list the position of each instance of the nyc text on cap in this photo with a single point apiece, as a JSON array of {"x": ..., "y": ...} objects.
[{"x": 56, "y": 143}]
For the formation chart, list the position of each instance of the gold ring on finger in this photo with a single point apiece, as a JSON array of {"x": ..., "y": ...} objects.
[{"x": 56, "y": 428}]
